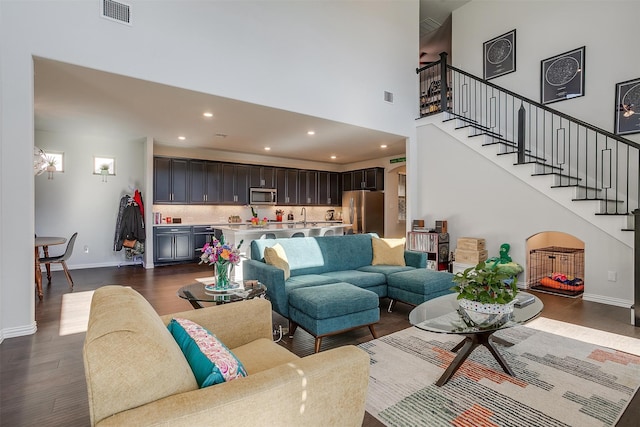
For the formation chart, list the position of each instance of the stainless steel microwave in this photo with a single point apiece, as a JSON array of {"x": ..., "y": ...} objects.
[{"x": 263, "y": 196}]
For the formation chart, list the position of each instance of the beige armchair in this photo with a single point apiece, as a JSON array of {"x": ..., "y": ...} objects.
[{"x": 137, "y": 375}]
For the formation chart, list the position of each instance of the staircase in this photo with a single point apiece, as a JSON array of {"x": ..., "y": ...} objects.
[{"x": 591, "y": 171}]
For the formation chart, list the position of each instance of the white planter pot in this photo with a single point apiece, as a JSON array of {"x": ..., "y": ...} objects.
[{"x": 486, "y": 315}]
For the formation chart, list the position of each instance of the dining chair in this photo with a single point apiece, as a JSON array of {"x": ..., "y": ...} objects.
[
  {"x": 298, "y": 234},
  {"x": 62, "y": 259}
]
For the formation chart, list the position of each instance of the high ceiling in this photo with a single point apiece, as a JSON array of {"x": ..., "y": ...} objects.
[
  {"x": 435, "y": 27},
  {"x": 74, "y": 99}
]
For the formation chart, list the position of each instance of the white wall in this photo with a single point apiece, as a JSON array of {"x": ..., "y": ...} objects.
[
  {"x": 545, "y": 29},
  {"x": 78, "y": 200},
  {"x": 329, "y": 59},
  {"x": 480, "y": 199}
]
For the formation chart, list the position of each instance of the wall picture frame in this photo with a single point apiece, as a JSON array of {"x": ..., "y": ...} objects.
[
  {"x": 627, "y": 107},
  {"x": 562, "y": 76},
  {"x": 499, "y": 55}
]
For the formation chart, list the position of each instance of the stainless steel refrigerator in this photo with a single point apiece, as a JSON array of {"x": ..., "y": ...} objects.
[{"x": 364, "y": 210}]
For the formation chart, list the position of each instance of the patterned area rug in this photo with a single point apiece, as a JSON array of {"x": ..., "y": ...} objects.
[{"x": 558, "y": 381}]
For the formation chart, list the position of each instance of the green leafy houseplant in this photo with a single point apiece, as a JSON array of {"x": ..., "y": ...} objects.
[{"x": 486, "y": 284}]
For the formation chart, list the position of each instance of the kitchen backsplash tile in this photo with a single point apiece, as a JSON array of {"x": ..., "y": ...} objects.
[{"x": 205, "y": 214}]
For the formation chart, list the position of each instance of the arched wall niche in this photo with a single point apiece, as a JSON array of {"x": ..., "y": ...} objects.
[{"x": 558, "y": 259}]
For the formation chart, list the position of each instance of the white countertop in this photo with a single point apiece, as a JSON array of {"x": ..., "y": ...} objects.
[
  {"x": 234, "y": 234},
  {"x": 274, "y": 225}
]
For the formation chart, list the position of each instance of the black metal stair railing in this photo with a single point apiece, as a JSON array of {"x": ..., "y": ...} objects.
[{"x": 600, "y": 166}]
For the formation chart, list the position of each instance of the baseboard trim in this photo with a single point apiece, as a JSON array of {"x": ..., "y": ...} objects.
[
  {"x": 18, "y": 331},
  {"x": 58, "y": 267},
  {"x": 607, "y": 300}
]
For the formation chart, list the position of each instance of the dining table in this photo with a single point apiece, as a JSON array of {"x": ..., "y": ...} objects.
[{"x": 44, "y": 242}]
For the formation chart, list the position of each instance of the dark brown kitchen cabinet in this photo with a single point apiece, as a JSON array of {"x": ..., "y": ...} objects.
[
  {"x": 307, "y": 187},
  {"x": 374, "y": 179},
  {"x": 235, "y": 184},
  {"x": 172, "y": 244},
  {"x": 171, "y": 182},
  {"x": 363, "y": 179},
  {"x": 328, "y": 188},
  {"x": 205, "y": 182},
  {"x": 287, "y": 186},
  {"x": 347, "y": 181},
  {"x": 262, "y": 176}
]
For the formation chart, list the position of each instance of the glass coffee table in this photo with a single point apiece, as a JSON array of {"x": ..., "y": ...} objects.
[
  {"x": 196, "y": 293},
  {"x": 442, "y": 315}
]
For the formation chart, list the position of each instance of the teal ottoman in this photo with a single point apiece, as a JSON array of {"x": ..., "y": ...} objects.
[
  {"x": 417, "y": 286},
  {"x": 332, "y": 309}
]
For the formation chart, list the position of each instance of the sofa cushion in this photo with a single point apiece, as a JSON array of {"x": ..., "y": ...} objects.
[
  {"x": 276, "y": 256},
  {"x": 419, "y": 285},
  {"x": 261, "y": 355},
  {"x": 309, "y": 280},
  {"x": 306, "y": 281},
  {"x": 210, "y": 360},
  {"x": 362, "y": 279},
  {"x": 385, "y": 269},
  {"x": 388, "y": 251}
]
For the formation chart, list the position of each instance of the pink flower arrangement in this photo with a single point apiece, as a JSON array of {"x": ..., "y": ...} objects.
[{"x": 219, "y": 252}]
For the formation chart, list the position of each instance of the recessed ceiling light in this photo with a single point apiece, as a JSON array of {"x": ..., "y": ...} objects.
[
  {"x": 311, "y": 132},
  {"x": 182, "y": 138},
  {"x": 267, "y": 148},
  {"x": 333, "y": 157},
  {"x": 208, "y": 114},
  {"x": 383, "y": 146}
]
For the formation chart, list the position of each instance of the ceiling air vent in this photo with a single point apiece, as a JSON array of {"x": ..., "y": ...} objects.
[
  {"x": 116, "y": 11},
  {"x": 388, "y": 97}
]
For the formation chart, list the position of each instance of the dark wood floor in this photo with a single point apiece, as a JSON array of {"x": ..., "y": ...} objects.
[{"x": 42, "y": 375}]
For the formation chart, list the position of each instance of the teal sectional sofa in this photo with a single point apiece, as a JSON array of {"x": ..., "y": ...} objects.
[{"x": 316, "y": 261}]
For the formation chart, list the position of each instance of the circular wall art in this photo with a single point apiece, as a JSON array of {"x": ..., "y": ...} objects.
[
  {"x": 562, "y": 71},
  {"x": 499, "y": 51},
  {"x": 631, "y": 99}
]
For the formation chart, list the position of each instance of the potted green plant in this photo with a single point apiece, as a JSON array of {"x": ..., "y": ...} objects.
[{"x": 486, "y": 293}]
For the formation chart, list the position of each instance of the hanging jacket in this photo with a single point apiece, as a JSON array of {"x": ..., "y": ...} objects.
[
  {"x": 137, "y": 197},
  {"x": 117, "y": 238},
  {"x": 132, "y": 226}
]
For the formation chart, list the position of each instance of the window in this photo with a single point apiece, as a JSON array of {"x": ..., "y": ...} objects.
[
  {"x": 101, "y": 164},
  {"x": 55, "y": 159}
]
